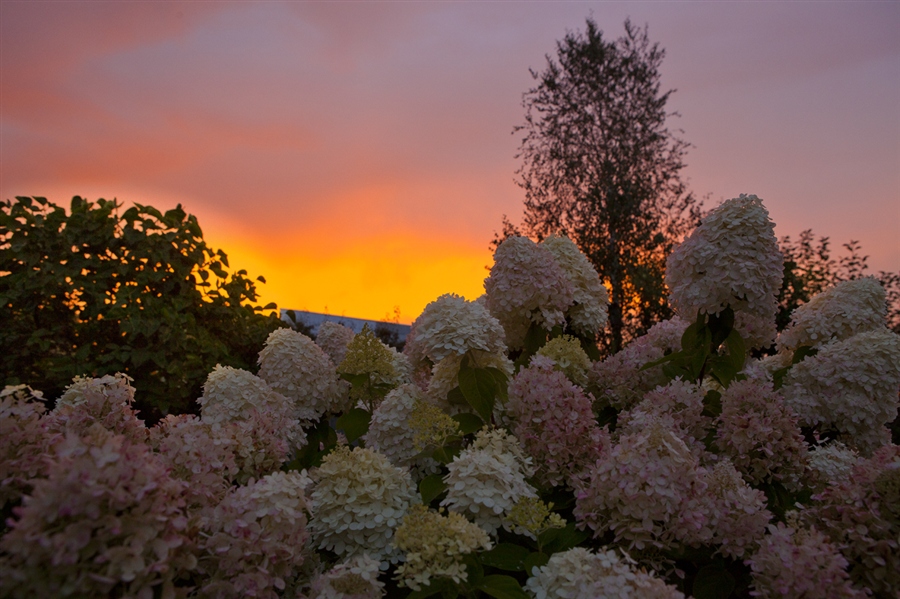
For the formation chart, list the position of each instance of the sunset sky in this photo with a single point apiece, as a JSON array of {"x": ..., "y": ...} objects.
[{"x": 360, "y": 155}]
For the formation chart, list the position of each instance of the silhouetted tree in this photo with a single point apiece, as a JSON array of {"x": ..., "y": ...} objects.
[{"x": 599, "y": 165}]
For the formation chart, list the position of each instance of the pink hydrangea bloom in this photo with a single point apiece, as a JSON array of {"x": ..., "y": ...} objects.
[
  {"x": 618, "y": 381},
  {"x": 760, "y": 434},
  {"x": 680, "y": 400},
  {"x": 334, "y": 338},
  {"x": 526, "y": 286},
  {"x": 552, "y": 419},
  {"x": 737, "y": 514},
  {"x": 107, "y": 520},
  {"x": 356, "y": 578},
  {"x": 254, "y": 542},
  {"x": 590, "y": 301},
  {"x": 799, "y": 564},
  {"x": 22, "y": 443},
  {"x": 646, "y": 490},
  {"x": 860, "y": 514},
  {"x": 731, "y": 259}
]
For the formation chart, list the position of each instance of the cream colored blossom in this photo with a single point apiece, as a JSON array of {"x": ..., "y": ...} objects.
[
  {"x": 839, "y": 312},
  {"x": 530, "y": 517},
  {"x": 356, "y": 578},
  {"x": 731, "y": 259},
  {"x": 116, "y": 388},
  {"x": 569, "y": 358},
  {"x": 293, "y": 365},
  {"x": 368, "y": 356},
  {"x": 334, "y": 338},
  {"x": 450, "y": 325},
  {"x": 588, "y": 313},
  {"x": 581, "y": 574},
  {"x": 357, "y": 501},
  {"x": 486, "y": 479},
  {"x": 850, "y": 386},
  {"x": 404, "y": 424},
  {"x": 430, "y": 426},
  {"x": 433, "y": 545},
  {"x": 526, "y": 285},
  {"x": 830, "y": 463},
  {"x": 230, "y": 394}
]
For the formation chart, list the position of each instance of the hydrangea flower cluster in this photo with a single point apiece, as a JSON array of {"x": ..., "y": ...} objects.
[
  {"x": 253, "y": 541},
  {"x": 737, "y": 514},
  {"x": 450, "y": 325},
  {"x": 293, "y": 365},
  {"x": 22, "y": 456},
  {"x": 433, "y": 545},
  {"x": 830, "y": 463},
  {"x": 646, "y": 490},
  {"x": 395, "y": 432},
  {"x": 848, "y": 308},
  {"x": 681, "y": 401},
  {"x": 487, "y": 478},
  {"x": 580, "y": 574},
  {"x": 194, "y": 455},
  {"x": 796, "y": 564},
  {"x": 552, "y": 418},
  {"x": 105, "y": 401},
  {"x": 356, "y": 578},
  {"x": 257, "y": 442},
  {"x": 760, "y": 434},
  {"x": 588, "y": 313},
  {"x": 859, "y": 516},
  {"x": 334, "y": 338},
  {"x": 526, "y": 286},
  {"x": 229, "y": 394},
  {"x": 731, "y": 259},
  {"x": 430, "y": 426},
  {"x": 530, "y": 517},
  {"x": 567, "y": 355},
  {"x": 849, "y": 386},
  {"x": 358, "y": 499},
  {"x": 618, "y": 381},
  {"x": 107, "y": 517}
]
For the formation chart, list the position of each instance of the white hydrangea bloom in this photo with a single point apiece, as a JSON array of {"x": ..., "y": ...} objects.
[
  {"x": 487, "y": 479},
  {"x": 450, "y": 325},
  {"x": 526, "y": 286},
  {"x": 357, "y": 501},
  {"x": 831, "y": 463},
  {"x": 356, "y": 578},
  {"x": 434, "y": 544},
  {"x": 588, "y": 314},
  {"x": 229, "y": 394},
  {"x": 851, "y": 386},
  {"x": 391, "y": 434},
  {"x": 116, "y": 388},
  {"x": 736, "y": 512},
  {"x": 848, "y": 308},
  {"x": 731, "y": 259},
  {"x": 293, "y": 365},
  {"x": 580, "y": 574},
  {"x": 334, "y": 338}
]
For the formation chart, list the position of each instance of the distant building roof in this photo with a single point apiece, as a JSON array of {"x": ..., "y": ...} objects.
[{"x": 314, "y": 319}]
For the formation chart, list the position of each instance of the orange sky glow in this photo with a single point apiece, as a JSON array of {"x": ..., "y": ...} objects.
[{"x": 360, "y": 155}]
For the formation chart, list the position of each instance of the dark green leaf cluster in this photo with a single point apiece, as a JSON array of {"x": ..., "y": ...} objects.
[{"x": 96, "y": 291}]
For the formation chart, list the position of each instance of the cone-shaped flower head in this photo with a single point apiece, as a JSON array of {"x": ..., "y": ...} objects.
[
  {"x": 731, "y": 259},
  {"x": 588, "y": 313}
]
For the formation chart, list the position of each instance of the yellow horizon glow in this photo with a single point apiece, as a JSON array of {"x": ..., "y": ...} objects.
[{"x": 367, "y": 278}]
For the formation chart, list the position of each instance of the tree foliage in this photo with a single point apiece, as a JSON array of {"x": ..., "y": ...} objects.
[
  {"x": 93, "y": 292},
  {"x": 810, "y": 268},
  {"x": 599, "y": 165}
]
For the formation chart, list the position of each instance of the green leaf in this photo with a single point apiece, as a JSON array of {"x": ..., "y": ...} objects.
[
  {"x": 555, "y": 540},
  {"x": 354, "y": 423},
  {"x": 712, "y": 403},
  {"x": 438, "y": 585},
  {"x": 479, "y": 388},
  {"x": 502, "y": 587},
  {"x": 803, "y": 352},
  {"x": 474, "y": 570},
  {"x": 713, "y": 581},
  {"x": 445, "y": 454},
  {"x": 431, "y": 488},
  {"x": 506, "y": 556},
  {"x": 502, "y": 382},
  {"x": 535, "y": 560},
  {"x": 468, "y": 423},
  {"x": 455, "y": 397},
  {"x": 535, "y": 339}
]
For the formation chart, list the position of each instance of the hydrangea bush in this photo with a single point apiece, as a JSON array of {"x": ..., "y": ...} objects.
[{"x": 498, "y": 456}]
